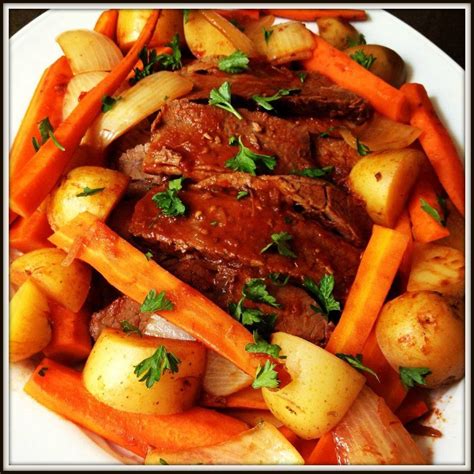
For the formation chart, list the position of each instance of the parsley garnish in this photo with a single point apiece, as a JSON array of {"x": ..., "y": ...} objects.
[
  {"x": 302, "y": 76},
  {"x": 235, "y": 63},
  {"x": 278, "y": 279},
  {"x": 362, "y": 149},
  {"x": 365, "y": 60},
  {"x": 267, "y": 34},
  {"x": 186, "y": 15},
  {"x": 246, "y": 160},
  {"x": 431, "y": 211},
  {"x": 108, "y": 103},
  {"x": 46, "y": 131},
  {"x": 264, "y": 102},
  {"x": 129, "y": 328},
  {"x": 222, "y": 97},
  {"x": 149, "y": 255},
  {"x": 356, "y": 362},
  {"x": 156, "y": 302},
  {"x": 326, "y": 133},
  {"x": 413, "y": 375},
  {"x": 162, "y": 461},
  {"x": 256, "y": 290},
  {"x": 280, "y": 240},
  {"x": 323, "y": 294},
  {"x": 314, "y": 172},
  {"x": 266, "y": 376},
  {"x": 261, "y": 346},
  {"x": 355, "y": 41},
  {"x": 155, "y": 366},
  {"x": 168, "y": 201},
  {"x": 86, "y": 191},
  {"x": 171, "y": 61},
  {"x": 242, "y": 194}
]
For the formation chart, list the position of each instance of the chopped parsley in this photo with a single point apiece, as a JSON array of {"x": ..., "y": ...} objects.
[
  {"x": 241, "y": 194},
  {"x": 261, "y": 346},
  {"x": 151, "y": 369},
  {"x": 222, "y": 98},
  {"x": 171, "y": 61},
  {"x": 267, "y": 34},
  {"x": 149, "y": 255},
  {"x": 365, "y": 60},
  {"x": 246, "y": 160},
  {"x": 265, "y": 102},
  {"x": 355, "y": 41},
  {"x": 156, "y": 302},
  {"x": 162, "y": 461},
  {"x": 279, "y": 279},
  {"x": 413, "y": 375},
  {"x": 129, "y": 328},
  {"x": 362, "y": 150},
  {"x": 256, "y": 290},
  {"x": 326, "y": 133},
  {"x": 356, "y": 362},
  {"x": 86, "y": 191},
  {"x": 280, "y": 240},
  {"x": 266, "y": 376},
  {"x": 323, "y": 294},
  {"x": 302, "y": 76},
  {"x": 314, "y": 172},
  {"x": 235, "y": 63},
  {"x": 186, "y": 15},
  {"x": 108, "y": 103},
  {"x": 168, "y": 201},
  {"x": 46, "y": 131},
  {"x": 433, "y": 212}
]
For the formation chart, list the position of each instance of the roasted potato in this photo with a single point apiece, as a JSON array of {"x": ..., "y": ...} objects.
[
  {"x": 109, "y": 373},
  {"x": 388, "y": 65},
  {"x": 30, "y": 331},
  {"x": 384, "y": 181},
  {"x": 106, "y": 188},
  {"x": 322, "y": 389},
  {"x": 337, "y": 32},
  {"x": 67, "y": 285},
  {"x": 419, "y": 329}
]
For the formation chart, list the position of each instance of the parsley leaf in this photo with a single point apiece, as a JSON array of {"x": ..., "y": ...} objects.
[
  {"x": 261, "y": 346},
  {"x": 302, "y": 76},
  {"x": 129, "y": 328},
  {"x": 149, "y": 255},
  {"x": 314, "y": 172},
  {"x": 86, "y": 191},
  {"x": 267, "y": 34},
  {"x": 171, "y": 61},
  {"x": 326, "y": 133},
  {"x": 431, "y": 211},
  {"x": 151, "y": 369},
  {"x": 266, "y": 376},
  {"x": 264, "y": 102},
  {"x": 235, "y": 63},
  {"x": 149, "y": 60},
  {"x": 186, "y": 15},
  {"x": 253, "y": 318},
  {"x": 108, "y": 103},
  {"x": 355, "y": 41},
  {"x": 46, "y": 131},
  {"x": 168, "y": 201},
  {"x": 280, "y": 240},
  {"x": 356, "y": 362},
  {"x": 256, "y": 290},
  {"x": 323, "y": 293},
  {"x": 362, "y": 149},
  {"x": 365, "y": 60},
  {"x": 222, "y": 98},
  {"x": 156, "y": 302},
  {"x": 162, "y": 461},
  {"x": 278, "y": 279},
  {"x": 413, "y": 375},
  {"x": 241, "y": 194},
  {"x": 246, "y": 160}
]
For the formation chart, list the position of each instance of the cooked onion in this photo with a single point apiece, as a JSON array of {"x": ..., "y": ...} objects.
[
  {"x": 222, "y": 377},
  {"x": 88, "y": 50},
  {"x": 134, "y": 105},
  {"x": 370, "y": 433},
  {"x": 160, "y": 327},
  {"x": 254, "y": 30}
]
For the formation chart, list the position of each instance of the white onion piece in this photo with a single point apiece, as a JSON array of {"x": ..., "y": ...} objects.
[
  {"x": 254, "y": 30},
  {"x": 87, "y": 50},
  {"x": 160, "y": 327},
  {"x": 222, "y": 377},
  {"x": 134, "y": 105}
]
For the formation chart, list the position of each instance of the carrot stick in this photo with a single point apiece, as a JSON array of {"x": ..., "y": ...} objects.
[
  {"x": 347, "y": 73},
  {"x": 291, "y": 436},
  {"x": 246, "y": 398},
  {"x": 107, "y": 24},
  {"x": 32, "y": 183},
  {"x": 311, "y": 15},
  {"x": 377, "y": 269},
  {"x": 60, "y": 389},
  {"x": 128, "y": 270},
  {"x": 404, "y": 226},
  {"x": 324, "y": 452},
  {"x": 70, "y": 340},
  {"x": 414, "y": 406},
  {"x": 437, "y": 144},
  {"x": 47, "y": 101},
  {"x": 31, "y": 233}
]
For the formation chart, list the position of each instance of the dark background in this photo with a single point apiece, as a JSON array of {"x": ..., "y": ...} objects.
[{"x": 445, "y": 28}]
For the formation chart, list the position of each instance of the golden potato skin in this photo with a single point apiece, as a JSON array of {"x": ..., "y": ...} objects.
[
  {"x": 419, "y": 329},
  {"x": 388, "y": 65},
  {"x": 336, "y": 32}
]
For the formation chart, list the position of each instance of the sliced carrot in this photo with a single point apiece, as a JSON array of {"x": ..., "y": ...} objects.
[
  {"x": 47, "y": 101},
  {"x": 311, "y": 15},
  {"x": 437, "y": 144},
  {"x": 347, "y": 73},
  {"x": 324, "y": 452},
  {"x": 376, "y": 272},
  {"x": 158, "y": 50},
  {"x": 404, "y": 226},
  {"x": 70, "y": 339},
  {"x": 414, "y": 406},
  {"x": 240, "y": 14},
  {"x": 246, "y": 398},
  {"x": 128, "y": 270},
  {"x": 60, "y": 389},
  {"x": 32, "y": 183},
  {"x": 31, "y": 233},
  {"x": 11, "y": 216},
  {"x": 290, "y": 435},
  {"x": 107, "y": 24}
]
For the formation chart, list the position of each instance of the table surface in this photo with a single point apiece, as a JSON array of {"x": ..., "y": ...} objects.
[{"x": 444, "y": 27}]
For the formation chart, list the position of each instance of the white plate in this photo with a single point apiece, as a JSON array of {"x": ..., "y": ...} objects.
[{"x": 38, "y": 436}]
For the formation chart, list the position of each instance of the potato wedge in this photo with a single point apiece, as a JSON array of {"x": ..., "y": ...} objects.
[
  {"x": 384, "y": 180},
  {"x": 263, "y": 444},
  {"x": 337, "y": 32},
  {"x": 66, "y": 285},
  {"x": 68, "y": 200},
  {"x": 109, "y": 373},
  {"x": 322, "y": 389},
  {"x": 30, "y": 331}
]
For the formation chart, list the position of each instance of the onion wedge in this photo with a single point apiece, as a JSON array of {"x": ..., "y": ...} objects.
[{"x": 288, "y": 42}]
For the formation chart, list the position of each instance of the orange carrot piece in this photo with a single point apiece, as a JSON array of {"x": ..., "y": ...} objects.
[
  {"x": 158, "y": 50},
  {"x": 128, "y": 270},
  {"x": 290, "y": 435},
  {"x": 11, "y": 216},
  {"x": 60, "y": 389},
  {"x": 324, "y": 452},
  {"x": 437, "y": 144},
  {"x": 32, "y": 183},
  {"x": 311, "y": 15},
  {"x": 246, "y": 398},
  {"x": 31, "y": 233},
  {"x": 390, "y": 387},
  {"x": 347, "y": 73},
  {"x": 70, "y": 340},
  {"x": 240, "y": 14},
  {"x": 404, "y": 226},
  {"x": 377, "y": 269},
  {"x": 414, "y": 406},
  {"x": 425, "y": 227},
  {"x": 107, "y": 24},
  {"x": 47, "y": 101}
]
